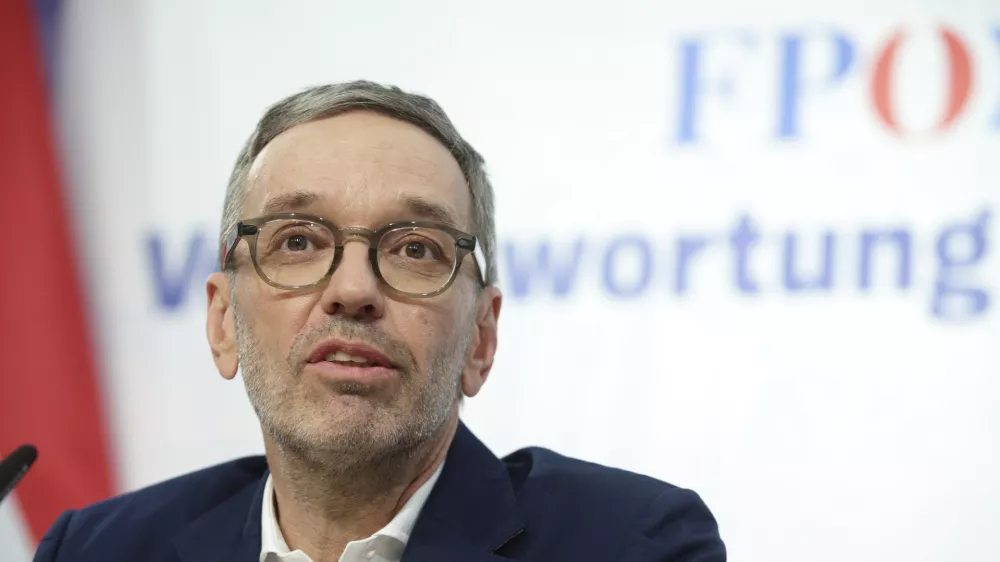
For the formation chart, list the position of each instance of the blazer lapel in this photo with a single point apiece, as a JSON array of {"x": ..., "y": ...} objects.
[
  {"x": 470, "y": 514},
  {"x": 230, "y": 531},
  {"x": 472, "y": 510}
]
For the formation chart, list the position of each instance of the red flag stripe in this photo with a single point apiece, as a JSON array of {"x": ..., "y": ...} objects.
[{"x": 49, "y": 395}]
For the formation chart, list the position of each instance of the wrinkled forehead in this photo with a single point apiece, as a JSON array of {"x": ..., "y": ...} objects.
[{"x": 359, "y": 169}]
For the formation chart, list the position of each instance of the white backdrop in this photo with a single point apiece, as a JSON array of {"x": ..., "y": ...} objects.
[{"x": 668, "y": 176}]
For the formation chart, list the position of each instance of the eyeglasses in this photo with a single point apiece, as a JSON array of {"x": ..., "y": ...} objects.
[{"x": 299, "y": 251}]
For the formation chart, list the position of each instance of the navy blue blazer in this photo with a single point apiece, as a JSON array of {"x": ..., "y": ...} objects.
[{"x": 534, "y": 505}]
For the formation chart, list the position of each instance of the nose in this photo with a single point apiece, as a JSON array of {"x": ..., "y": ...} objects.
[{"x": 353, "y": 290}]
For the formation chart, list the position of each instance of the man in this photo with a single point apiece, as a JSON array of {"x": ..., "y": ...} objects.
[{"x": 357, "y": 297}]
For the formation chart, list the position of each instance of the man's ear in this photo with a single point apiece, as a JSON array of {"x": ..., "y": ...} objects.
[
  {"x": 221, "y": 326},
  {"x": 483, "y": 343}
]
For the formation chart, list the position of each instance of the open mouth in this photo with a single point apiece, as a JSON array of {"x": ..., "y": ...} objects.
[
  {"x": 347, "y": 359},
  {"x": 350, "y": 362}
]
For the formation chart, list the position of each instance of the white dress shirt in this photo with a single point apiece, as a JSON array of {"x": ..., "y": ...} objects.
[{"x": 385, "y": 545}]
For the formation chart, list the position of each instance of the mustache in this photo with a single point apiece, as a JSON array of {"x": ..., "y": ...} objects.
[{"x": 353, "y": 331}]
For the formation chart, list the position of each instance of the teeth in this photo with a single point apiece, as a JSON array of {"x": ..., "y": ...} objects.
[{"x": 343, "y": 356}]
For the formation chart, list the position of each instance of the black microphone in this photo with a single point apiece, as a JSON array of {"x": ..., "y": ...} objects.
[{"x": 13, "y": 468}]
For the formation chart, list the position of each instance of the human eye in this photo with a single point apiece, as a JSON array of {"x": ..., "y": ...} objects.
[{"x": 294, "y": 240}]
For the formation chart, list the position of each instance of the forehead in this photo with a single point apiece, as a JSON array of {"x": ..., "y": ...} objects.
[{"x": 359, "y": 168}]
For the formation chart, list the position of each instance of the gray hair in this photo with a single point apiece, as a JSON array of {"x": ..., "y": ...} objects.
[{"x": 329, "y": 100}]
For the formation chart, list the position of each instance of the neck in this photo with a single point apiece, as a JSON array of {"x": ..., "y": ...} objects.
[{"x": 320, "y": 510}]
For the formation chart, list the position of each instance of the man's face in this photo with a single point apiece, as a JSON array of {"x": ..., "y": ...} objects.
[{"x": 364, "y": 170}]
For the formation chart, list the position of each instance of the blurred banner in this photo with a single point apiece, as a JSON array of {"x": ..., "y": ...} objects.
[{"x": 770, "y": 225}]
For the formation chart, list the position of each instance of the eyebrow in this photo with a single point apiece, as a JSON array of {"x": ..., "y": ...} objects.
[
  {"x": 417, "y": 207},
  {"x": 428, "y": 210},
  {"x": 290, "y": 202}
]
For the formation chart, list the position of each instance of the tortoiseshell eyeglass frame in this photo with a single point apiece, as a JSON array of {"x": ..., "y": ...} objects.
[{"x": 249, "y": 228}]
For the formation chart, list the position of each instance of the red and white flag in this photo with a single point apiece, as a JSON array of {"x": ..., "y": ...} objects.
[{"x": 49, "y": 389}]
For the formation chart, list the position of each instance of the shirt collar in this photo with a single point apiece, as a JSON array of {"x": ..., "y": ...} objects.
[{"x": 399, "y": 528}]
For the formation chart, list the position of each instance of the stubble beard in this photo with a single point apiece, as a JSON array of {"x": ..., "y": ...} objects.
[{"x": 299, "y": 423}]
